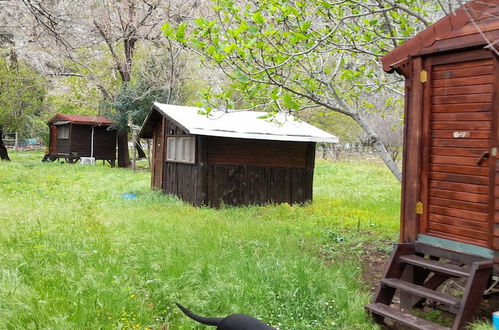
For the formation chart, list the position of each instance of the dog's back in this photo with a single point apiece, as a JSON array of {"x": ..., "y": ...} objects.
[{"x": 231, "y": 322}]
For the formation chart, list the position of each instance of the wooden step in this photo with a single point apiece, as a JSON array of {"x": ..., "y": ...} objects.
[
  {"x": 439, "y": 267},
  {"x": 421, "y": 291},
  {"x": 403, "y": 318}
]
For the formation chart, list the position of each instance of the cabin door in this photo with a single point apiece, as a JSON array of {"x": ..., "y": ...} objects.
[
  {"x": 456, "y": 168},
  {"x": 53, "y": 139}
]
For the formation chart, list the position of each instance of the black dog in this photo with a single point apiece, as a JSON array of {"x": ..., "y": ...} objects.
[{"x": 231, "y": 322}]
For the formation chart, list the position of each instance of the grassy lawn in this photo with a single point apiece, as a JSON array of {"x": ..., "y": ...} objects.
[{"x": 74, "y": 254}]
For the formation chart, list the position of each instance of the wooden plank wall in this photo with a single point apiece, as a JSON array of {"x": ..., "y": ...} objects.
[
  {"x": 243, "y": 172},
  {"x": 227, "y": 151},
  {"x": 104, "y": 142},
  {"x": 158, "y": 144},
  {"x": 80, "y": 140},
  {"x": 245, "y": 185},
  {"x": 182, "y": 180},
  {"x": 53, "y": 139},
  {"x": 496, "y": 213},
  {"x": 62, "y": 147},
  {"x": 458, "y": 189}
]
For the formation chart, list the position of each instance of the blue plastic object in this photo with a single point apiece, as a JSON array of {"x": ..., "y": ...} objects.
[
  {"x": 128, "y": 196},
  {"x": 495, "y": 320}
]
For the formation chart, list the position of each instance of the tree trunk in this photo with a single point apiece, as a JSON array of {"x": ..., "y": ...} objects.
[
  {"x": 123, "y": 154},
  {"x": 374, "y": 140},
  {"x": 4, "y": 155}
]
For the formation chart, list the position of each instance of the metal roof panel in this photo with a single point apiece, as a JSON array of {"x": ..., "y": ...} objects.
[{"x": 244, "y": 125}]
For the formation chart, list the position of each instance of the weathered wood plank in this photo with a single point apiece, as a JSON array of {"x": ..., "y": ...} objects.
[
  {"x": 458, "y": 204},
  {"x": 449, "y": 211},
  {"x": 464, "y": 125},
  {"x": 454, "y": 151},
  {"x": 457, "y": 195},
  {"x": 459, "y": 231},
  {"x": 471, "y": 188},
  {"x": 462, "y": 98},
  {"x": 460, "y": 178},
  {"x": 473, "y": 134},
  {"x": 460, "y": 143},
  {"x": 462, "y": 65},
  {"x": 455, "y": 169},
  {"x": 462, "y": 116},
  {"x": 468, "y": 161},
  {"x": 453, "y": 73},
  {"x": 459, "y": 90},
  {"x": 465, "y": 81},
  {"x": 469, "y": 107},
  {"x": 482, "y": 226}
]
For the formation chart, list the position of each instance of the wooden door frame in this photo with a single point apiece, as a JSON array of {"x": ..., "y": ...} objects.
[
  {"x": 428, "y": 63},
  {"x": 493, "y": 242}
]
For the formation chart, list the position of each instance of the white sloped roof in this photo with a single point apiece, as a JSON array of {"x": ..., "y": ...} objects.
[{"x": 244, "y": 125}]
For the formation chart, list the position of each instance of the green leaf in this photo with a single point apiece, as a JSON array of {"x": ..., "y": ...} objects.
[
  {"x": 229, "y": 48},
  {"x": 258, "y": 18},
  {"x": 180, "y": 34}
]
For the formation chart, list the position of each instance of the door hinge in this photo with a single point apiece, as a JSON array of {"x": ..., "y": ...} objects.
[
  {"x": 419, "y": 208},
  {"x": 423, "y": 77}
]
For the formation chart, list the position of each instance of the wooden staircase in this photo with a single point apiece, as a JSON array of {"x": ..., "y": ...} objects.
[{"x": 416, "y": 271}]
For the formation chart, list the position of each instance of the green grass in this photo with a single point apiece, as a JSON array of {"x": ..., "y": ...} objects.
[{"x": 75, "y": 254}]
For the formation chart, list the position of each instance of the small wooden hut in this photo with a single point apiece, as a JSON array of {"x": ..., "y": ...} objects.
[
  {"x": 74, "y": 136},
  {"x": 232, "y": 157},
  {"x": 450, "y": 189}
]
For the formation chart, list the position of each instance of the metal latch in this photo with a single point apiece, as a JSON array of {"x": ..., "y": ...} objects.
[
  {"x": 419, "y": 208},
  {"x": 423, "y": 76}
]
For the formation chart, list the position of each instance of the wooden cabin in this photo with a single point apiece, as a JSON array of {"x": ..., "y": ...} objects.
[
  {"x": 74, "y": 136},
  {"x": 233, "y": 157},
  {"x": 450, "y": 189}
]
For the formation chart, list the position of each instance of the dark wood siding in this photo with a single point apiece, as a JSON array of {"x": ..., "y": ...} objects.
[
  {"x": 104, "y": 142},
  {"x": 496, "y": 208},
  {"x": 183, "y": 180},
  {"x": 245, "y": 185},
  {"x": 458, "y": 132},
  {"x": 227, "y": 151},
  {"x": 158, "y": 145},
  {"x": 62, "y": 147},
  {"x": 53, "y": 139},
  {"x": 235, "y": 171},
  {"x": 80, "y": 140}
]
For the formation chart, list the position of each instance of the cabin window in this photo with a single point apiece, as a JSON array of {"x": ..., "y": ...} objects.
[
  {"x": 181, "y": 149},
  {"x": 63, "y": 132}
]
